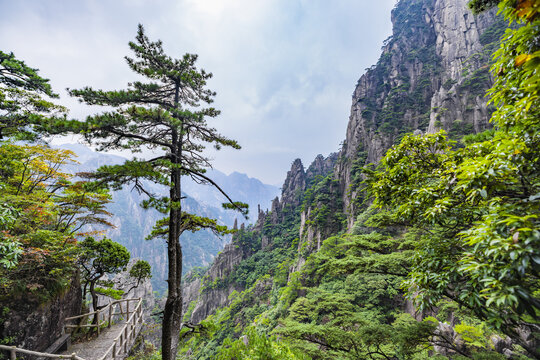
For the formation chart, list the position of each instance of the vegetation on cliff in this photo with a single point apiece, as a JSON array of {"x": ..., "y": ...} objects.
[
  {"x": 453, "y": 225},
  {"x": 441, "y": 261}
]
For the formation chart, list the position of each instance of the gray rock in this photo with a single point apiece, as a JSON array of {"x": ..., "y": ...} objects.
[
  {"x": 37, "y": 327},
  {"x": 451, "y": 33}
]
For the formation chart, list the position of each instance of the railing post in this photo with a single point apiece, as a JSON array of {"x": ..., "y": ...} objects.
[
  {"x": 126, "y": 340},
  {"x": 127, "y": 310},
  {"x": 110, "y": 314},
  {"x": 114, "y": 351},
  {"x": 13, "y": 353}
]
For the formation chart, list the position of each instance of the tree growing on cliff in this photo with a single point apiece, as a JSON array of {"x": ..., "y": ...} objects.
[
  {"x": 25, "y": 107},
  {"x": 164, "y": 114},
  {"x": 478, "y": 206},
  {"x": 97, "y": 259},
  {"x": 106, "y": 257}
]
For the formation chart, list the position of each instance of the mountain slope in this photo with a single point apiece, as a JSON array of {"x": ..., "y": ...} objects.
[
  {"x": 433, "y": 74},
  {"x": 312, "y": 270}
]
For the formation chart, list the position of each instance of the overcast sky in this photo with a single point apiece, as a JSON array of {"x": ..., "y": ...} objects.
[{"x": 284, "y": 70}]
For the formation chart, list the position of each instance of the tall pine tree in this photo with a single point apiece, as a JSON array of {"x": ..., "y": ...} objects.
[{"x": 165, "y": 114}]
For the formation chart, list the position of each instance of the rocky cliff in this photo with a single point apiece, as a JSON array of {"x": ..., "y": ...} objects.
[
  {"x": 36, "y": 328},
  {"x": 432, "y": 75},
  {"x": 203, "y": 295}
]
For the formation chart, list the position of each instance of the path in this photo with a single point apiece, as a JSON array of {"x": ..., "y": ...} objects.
[
  {"x": 117, "y": 326},
  {"x": 96, "y": 348},
  {"x": 112, "y": 342}
]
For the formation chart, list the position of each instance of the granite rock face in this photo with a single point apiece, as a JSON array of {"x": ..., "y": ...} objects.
[
  {"x": 432, "y": 75},
  {"x": 312, "y": 232},
  {"x": 321, "y": 166},
  {"x": 205, "y": 301},
  {"x": 294, "y": 185},
  {"x": 36, "y": 328}
]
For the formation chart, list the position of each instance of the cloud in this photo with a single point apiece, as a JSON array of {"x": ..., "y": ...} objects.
[{"x": 284, "y": 70}]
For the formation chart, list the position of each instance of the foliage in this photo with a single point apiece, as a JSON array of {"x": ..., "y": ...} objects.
[
  {"x": 259, "y": 264},
  {"x": 24, "y": 112},
  {"x": 473, "y": 335},
  {"x": 324, "y": 203},
  {"x": 102, "y": 257},
  {"x": 10, "y": 250},
  {"x": 478, "y": 6},
  {"x": 98, "y": 258},
  {"x": 478, "y": 206},
  {"x": 140, "y": 270},
  {"x": 258, "y": 347},
  {"x": 43, "y": 212},
  {"x": 110, "y": 292},
  {"x": 341, "y": 295}
]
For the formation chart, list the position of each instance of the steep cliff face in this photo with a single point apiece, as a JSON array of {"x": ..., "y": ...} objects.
[
  {"x": 36, "y": 328},
  {"x": 203, "y": 295},
  {"x": 432, "y": 75},
  {"x": 294, "y": 185},
  {"x": 318, "y": 216}
]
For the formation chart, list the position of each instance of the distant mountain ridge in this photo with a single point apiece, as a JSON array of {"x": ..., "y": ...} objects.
[
  {"x": 133, "y": 223},
  {"x": 240, "y": 187}
]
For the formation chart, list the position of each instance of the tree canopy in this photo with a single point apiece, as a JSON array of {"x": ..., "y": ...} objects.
[
  {"x": 42, "y": 210},
  {"x": 25, "y": 100},
  {"x": 478, "y": 206}
]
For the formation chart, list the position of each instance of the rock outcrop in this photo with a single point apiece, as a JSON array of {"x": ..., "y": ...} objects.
[
  {"x": 36, "y": 328},
  {"x": 321, "y": 166},
  {"x": 205, "y": 295},
  {"x": 432, "y": 75},
  {"x": 294, "y": 185}
]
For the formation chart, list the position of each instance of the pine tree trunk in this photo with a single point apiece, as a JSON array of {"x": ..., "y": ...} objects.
[
  {"x": 172, "y": 314},
  {"x": 94, "y": 300}
]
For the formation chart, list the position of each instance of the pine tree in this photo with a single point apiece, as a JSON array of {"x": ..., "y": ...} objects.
[
  {"x": 164, "y": 114},
  {"x": 24, "y": 111}
]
